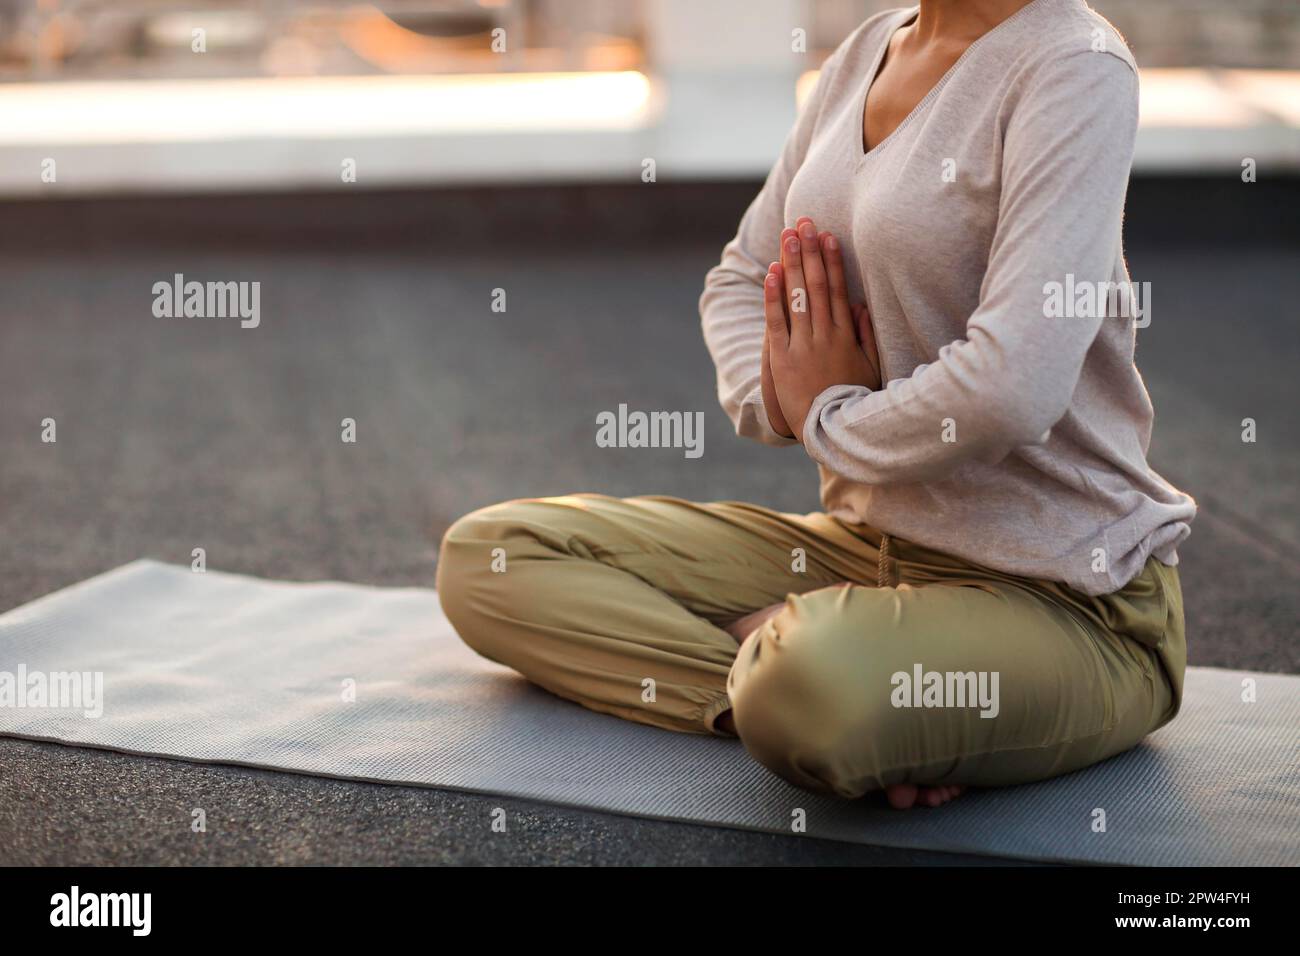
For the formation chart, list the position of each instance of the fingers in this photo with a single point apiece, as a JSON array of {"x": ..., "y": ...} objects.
[
  {"x": 841, "y": 314},
  {"x": 796, "y": 291},
  {"x": 867, "y": 339},
  {"x": 778, "y": 329},
  {"x": 814, "y": 276}
]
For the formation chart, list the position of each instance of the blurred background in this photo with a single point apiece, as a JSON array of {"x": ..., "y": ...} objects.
[
  {"x": 151, "y": 95},
  {"x": 382, "y": 170}
]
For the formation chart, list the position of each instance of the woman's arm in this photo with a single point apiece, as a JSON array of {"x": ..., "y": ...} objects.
[
  {"x": 731, "y": 308},
  {"x": 1066, "y": 157}
]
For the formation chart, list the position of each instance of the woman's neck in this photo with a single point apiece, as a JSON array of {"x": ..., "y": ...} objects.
[{"x": 961, "y": 20}]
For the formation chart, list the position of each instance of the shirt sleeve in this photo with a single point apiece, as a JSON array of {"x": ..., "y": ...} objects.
[
  {"x": 731, "y": 307},
  {"x": 1067, "y": 151}
]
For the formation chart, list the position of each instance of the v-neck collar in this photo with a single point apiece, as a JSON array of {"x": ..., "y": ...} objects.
[{"x": 906, "y": 17}]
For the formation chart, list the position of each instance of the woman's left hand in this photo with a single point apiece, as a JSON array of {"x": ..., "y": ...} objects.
[{"x": 815, "y": 339}]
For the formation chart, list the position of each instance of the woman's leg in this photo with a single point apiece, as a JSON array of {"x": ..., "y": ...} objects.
[
  {"x": 618, "y": 604},
  {"x": 826, "y": 694}
]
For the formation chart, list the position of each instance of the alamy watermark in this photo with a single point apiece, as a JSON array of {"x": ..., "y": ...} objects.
[
  {"x": 209, "y": 300},
  {"x": 75, "y": 908},
  {"x": 1083, "y": 299},
  {"x": 922, "y": 688},
  {"x": 56, "y": 690},
  {"x": 635, "y": 429}
]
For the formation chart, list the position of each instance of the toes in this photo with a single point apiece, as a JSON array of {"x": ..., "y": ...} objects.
[
  {"x": 936, "y": 796},
  {"x": 902, "y": 796}
]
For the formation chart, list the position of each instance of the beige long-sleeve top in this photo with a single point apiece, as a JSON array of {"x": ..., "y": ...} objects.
[{"x": 1013, "y": 425}]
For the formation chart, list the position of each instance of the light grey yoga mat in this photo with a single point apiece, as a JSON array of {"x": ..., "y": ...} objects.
[{"x": 230, "y": 669}]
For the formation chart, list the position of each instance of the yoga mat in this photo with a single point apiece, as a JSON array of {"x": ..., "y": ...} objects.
[{"x": 229, "y": 669}]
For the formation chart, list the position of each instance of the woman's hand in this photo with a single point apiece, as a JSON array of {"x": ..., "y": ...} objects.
[
  {"x": 770, "y": 401},
  {"x": 814, "y": 337}
]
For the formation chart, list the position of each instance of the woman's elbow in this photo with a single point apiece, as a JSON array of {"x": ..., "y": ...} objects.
[{"x": 1012, "y": 419}]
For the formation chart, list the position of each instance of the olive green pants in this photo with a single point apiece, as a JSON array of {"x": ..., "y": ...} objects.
[{"x": 926, "y": 669}]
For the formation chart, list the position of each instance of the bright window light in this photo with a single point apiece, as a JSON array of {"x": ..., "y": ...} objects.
[{"x": 211, "y": 110}]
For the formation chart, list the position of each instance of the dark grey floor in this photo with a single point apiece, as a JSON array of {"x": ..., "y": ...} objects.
[{"x": 176, "y": 434}]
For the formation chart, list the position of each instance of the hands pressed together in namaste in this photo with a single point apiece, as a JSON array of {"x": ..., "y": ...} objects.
[{"x": 814, "y": 337}]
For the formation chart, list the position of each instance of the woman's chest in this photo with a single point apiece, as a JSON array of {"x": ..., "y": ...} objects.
[{"x": 926, "y": 197}]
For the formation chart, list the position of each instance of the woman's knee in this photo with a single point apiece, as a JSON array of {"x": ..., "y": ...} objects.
[
  {"x": 804, "y": 701},
  {"x": 465, "y": 545},
  {"x": 470, "y": 578}
]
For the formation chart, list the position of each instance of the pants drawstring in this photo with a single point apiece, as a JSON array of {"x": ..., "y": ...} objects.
[{"x": 886, "y": 569}]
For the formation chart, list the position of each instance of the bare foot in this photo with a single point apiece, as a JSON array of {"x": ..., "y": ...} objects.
[
  {"x": 747, "y": 625},
  {"x": 904, "y": 796},
  {"x": 726, "y": 723}
]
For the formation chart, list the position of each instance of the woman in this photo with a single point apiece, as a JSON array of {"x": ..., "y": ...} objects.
[{"x": 929, "y": 295}]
